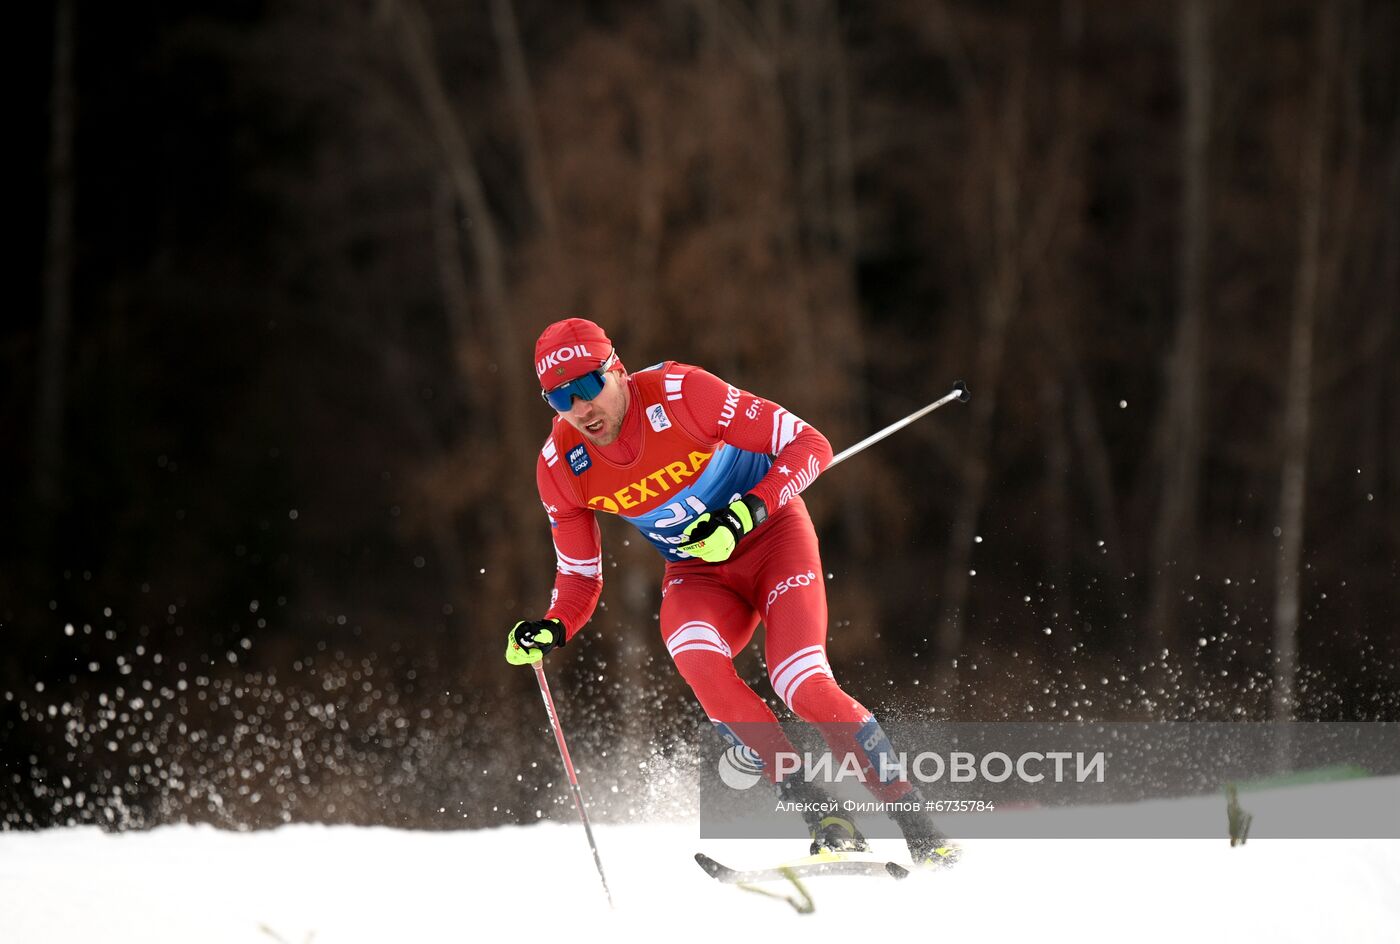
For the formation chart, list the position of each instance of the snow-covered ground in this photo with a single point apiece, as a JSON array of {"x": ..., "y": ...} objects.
[{"x": 336, "y": 885}]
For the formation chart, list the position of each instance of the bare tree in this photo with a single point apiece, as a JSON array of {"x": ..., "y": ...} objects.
[
  {"x": 1298, "y": 381},
  {"x": 1000, "y": 299},
  {"x": 827, "y": 204},
  {"x": 1058, "y": 549},
  {"x": 512, "y": 555},
  {"x": 415, "y": 42},
  {"x": 1011, "y": 228},
  {"x": 522, "y": 101},
  {"x": 58, "y": 266},
  {"x": 1174, "y": 539}
]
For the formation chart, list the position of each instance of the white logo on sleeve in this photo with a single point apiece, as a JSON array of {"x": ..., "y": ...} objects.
[
  {"x": 785, "y": 430},
  {"x": 731, "y": 403},
  {"x": 656, "y": 413}
]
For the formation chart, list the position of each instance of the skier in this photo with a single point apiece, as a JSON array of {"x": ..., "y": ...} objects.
[{"x": 710, "y": 475}]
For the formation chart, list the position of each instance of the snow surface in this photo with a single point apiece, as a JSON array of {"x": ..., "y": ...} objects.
[{"x": 341, "y": 884}]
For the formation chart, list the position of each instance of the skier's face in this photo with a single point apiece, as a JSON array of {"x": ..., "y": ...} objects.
[{"x": 600, "y": 419}]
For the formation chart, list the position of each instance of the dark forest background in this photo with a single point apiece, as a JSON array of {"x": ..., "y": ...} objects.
[{"x": 269, "y": 420}]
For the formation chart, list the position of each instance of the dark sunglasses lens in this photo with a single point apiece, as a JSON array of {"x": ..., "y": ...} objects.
[{"x": 585, "y": 388}]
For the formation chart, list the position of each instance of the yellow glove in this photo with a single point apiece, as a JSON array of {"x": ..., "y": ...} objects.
[
  {"x": 529, "y": 640},
  {"x": 713, "y": 536}
]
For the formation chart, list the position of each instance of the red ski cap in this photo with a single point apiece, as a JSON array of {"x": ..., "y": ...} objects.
[{"x": 569, "y": 349}]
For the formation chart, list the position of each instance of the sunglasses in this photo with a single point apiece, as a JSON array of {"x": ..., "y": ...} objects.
[{"x": 585, "y": 388}]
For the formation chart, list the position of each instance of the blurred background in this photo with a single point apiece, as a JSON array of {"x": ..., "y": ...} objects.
[{"x": 270, "y": 423}]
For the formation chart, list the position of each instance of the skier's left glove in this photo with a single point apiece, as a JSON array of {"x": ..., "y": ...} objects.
[
  {"x": 713, "y": 536},
  {"x": 529, "y": 640}
]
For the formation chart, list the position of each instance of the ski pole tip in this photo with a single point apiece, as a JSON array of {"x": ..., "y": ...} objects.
[{"x": 960, "y": 389}]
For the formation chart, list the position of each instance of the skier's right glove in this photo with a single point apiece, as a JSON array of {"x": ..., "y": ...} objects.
[
  {"x": 712, "y": 536},
  {"x": 529, "y": 640}
]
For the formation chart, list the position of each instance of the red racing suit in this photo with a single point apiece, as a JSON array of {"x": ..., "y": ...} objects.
[{"x": 690, "y": 443}]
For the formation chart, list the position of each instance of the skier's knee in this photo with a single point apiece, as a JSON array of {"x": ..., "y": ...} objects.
[
  {"x": 797, "y": 672},
  {"x": 805, "y": 684},
  {"x": 697, "y": 648}
]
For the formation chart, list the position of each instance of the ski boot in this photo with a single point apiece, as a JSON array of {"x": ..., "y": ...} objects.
[
  {"x": 928, "y": 847},
  {"x": 832, "y": 834},
  {"x": 835, "y": 835}
]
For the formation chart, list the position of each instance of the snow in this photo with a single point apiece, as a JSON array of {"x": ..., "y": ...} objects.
[{"x": 341, "y": 884}]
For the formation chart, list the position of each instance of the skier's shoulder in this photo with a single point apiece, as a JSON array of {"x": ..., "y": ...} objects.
[
  {"x": 672, "y": 376},
  {"x": 665, "y": 375}
]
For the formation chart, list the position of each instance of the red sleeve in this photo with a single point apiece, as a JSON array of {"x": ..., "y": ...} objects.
[
  {"x": 710, "y": 409},
  {"x": 578, "y": 548}
]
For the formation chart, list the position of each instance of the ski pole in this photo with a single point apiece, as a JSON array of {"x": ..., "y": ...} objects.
[
  {"x": 958, "y": 393},
  {"x": 573, "y": 776}
]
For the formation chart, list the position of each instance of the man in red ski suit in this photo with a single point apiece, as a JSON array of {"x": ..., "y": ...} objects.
[{"x": 710, "y": 475}]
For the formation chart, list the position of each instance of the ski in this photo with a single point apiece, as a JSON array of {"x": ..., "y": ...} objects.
[{"x": 800, "y": 868}]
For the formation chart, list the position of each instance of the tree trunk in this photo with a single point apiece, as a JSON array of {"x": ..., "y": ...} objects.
[
  {"x": 828, "y": 209},
  {"x": 456, "y": 293},
  {"x": 1059, "y": 556},
  {"x": 522, "y": 99},
  {"x": 1001, "y": 298},
  {"x": 1004, "y": 150},
  {"x": 1382, "y": 411},
  {"x": 1298, "y": 383},
  {"x": 1174, "y": 551},
  {"x": 507, "y": 367},
  {"x": 58, "y": 270},
  {"x": 416, "y": 45},
  {"x": 1098, "y": 467}
]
